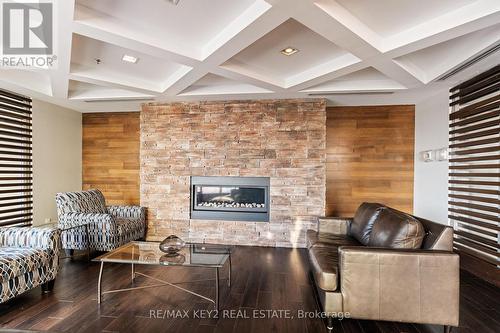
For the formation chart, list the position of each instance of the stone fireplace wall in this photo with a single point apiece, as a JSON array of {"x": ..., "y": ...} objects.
[{"x": 280, "y": 139}]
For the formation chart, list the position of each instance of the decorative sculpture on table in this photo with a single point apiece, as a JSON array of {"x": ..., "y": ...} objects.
[{"x": 172, "y": 245}]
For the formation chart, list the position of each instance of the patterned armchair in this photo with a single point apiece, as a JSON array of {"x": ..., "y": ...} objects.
[
  {"x": 29, "y": 257},
  {"x": 87, "y": 223}
]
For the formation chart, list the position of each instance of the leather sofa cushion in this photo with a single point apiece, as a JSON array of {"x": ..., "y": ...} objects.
[
  {"x": 314, "y": 238},
  {"x": 362, "y": 224},
  {"x": 325, "y": 262},
  {"x": 394, "y": 229}
]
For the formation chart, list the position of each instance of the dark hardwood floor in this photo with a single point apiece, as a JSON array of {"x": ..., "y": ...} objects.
[{"x": 263, "y": 279}]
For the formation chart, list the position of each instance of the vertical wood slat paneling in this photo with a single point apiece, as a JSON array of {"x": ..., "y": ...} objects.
[
  {"x": 111, "y": 155},
  {"x": 475, "y": 122},
  {"x": 370, "y": 154}
]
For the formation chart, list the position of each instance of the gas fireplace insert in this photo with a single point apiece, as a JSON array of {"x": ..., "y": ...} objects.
[{"x": 230, "y": 198}]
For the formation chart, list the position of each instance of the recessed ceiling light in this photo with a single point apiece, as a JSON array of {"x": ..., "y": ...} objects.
[
  {"x": 288, "y": 51},
  {"x": 129, "y": 58}
]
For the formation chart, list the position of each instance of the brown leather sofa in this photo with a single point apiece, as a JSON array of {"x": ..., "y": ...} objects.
[{"x": 384, "y": 264}]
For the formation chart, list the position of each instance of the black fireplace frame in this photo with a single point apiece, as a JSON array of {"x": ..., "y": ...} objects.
[{"x": 230, "y": 214}]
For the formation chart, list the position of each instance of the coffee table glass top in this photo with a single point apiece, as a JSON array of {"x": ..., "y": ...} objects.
[{"x": 149, "y": 253}]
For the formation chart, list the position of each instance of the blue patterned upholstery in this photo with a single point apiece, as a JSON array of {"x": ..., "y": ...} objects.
[
  {"x": 28, "y": 257},
  {"x": 127, "y": 211},
  {"x": 16, "y": 261},
  {"x": 91, "y": 201},
  {"x": 107, "y": 227}
]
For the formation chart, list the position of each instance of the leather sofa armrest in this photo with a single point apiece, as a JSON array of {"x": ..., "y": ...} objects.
[
  {"x": 334, "y": 225},
  {"x": 418, "y": 286}
]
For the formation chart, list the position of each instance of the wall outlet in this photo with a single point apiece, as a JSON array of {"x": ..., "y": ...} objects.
[{"x": 48, "y": 220}]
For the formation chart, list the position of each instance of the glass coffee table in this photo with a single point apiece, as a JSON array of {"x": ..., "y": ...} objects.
[{"x": 148, "y": 253}]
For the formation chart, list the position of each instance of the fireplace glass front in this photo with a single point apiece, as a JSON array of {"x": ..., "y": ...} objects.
[{"x": 230, "y": 198}]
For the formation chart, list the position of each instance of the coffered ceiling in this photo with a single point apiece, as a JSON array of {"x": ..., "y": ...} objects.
[{"x": 348, "y": 51}]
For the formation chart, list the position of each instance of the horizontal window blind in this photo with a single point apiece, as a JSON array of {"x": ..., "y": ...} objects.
[
  {"x": 16, "y": 175},
  {"x": 474, "y": 176}
]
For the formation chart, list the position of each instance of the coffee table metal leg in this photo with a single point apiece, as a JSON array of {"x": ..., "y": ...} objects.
[
  {"x": 133, "y": 272},
  {"x": 217, "y": 288},
  {"x": 229, "y": 273},
  {"x": 99, "y": 281}
]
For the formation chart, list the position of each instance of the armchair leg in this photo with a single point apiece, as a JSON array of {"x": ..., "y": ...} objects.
[
  {"x": 47, "y": 287},
  {"x": 447, "y": 329}
]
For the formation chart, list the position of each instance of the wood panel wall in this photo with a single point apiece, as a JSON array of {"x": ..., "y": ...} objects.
[
  {"x": 111, "y": 155},
  {"x": 370, "y": 153}
]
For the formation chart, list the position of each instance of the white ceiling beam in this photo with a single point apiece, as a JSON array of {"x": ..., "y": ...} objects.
[
  {"x": 393, "y": 71},
  {"x": 445, "y": 36},
  {"x": 355, "y": 37},
  {"x": 106, "y": 83},
  {"x": 265, "y": 19},
  {"x": 329, "y": 76},
  {"x": 87, "y": 19},
  {"x": 243, "y": 21},
  {"x": 253, "y": 79},
  {"x": 236, "y": 96},
  {"x": 28, "y": 91},
  {"x": 262, "y": 25},
  {"x": 336, "y": 24},
  {"x": 132, "y": 44},
  {"x": 106, "y": 94},
  {"x": 64, "y": 11},
  {"x": 185, "y": 81},
  {"x": 478, "y": 15},
  {"x": 331, "y": 66}
]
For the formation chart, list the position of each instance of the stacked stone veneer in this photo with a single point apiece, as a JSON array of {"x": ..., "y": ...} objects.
[{"x": 280, "y": 139}]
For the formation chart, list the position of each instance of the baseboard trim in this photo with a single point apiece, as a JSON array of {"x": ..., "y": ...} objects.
[{"x": 480, "y": 268}]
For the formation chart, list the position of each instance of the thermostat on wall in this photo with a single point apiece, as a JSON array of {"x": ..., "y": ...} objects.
[{"x": 427, "y": 155}]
